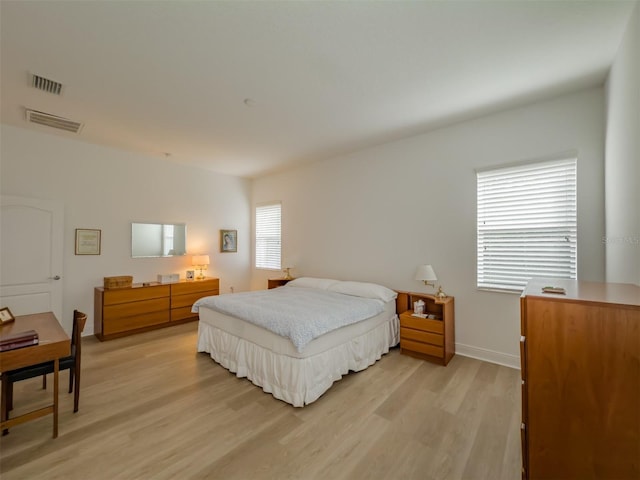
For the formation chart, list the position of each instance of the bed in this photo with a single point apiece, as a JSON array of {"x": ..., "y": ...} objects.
[{"x": 298, "y": 345}]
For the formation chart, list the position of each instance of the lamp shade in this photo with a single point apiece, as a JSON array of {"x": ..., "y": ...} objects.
[
  {"x": 426, "y": 273},
  {"x": 197, "y": 260}
]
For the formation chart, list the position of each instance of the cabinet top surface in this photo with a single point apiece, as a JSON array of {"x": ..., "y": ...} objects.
[
  {"x": 433, "y": 298},
  {"x": 157, "y": 284},
  {"x": 618, "y": 293}
]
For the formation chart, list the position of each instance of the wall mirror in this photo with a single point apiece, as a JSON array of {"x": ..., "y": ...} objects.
[{"x": 158, "y": 240}]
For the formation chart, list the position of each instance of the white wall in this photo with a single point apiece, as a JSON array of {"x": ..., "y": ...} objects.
[
  {"x": 376, "y": 214},
  {"x": 622, "y": 171},
  {"x": 107, "y": 189}
]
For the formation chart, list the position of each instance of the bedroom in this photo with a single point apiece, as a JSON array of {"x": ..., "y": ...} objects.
[{"x": 379, "y": 211}]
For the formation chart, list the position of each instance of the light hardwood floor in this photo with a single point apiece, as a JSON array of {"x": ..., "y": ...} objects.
[{"x": 153, "y": 408}]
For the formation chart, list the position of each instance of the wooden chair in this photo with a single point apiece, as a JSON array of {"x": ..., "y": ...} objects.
[{"x": 72, "y": 363}]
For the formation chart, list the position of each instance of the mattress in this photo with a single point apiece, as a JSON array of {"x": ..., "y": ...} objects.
[{"x": 273, "y": 363}]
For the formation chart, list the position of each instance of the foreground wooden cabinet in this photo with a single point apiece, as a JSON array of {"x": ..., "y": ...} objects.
[
  {"x": 120, "y": 312},
  {"x": 580, "y": 359}
]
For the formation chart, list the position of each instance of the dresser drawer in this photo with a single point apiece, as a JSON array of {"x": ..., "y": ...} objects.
[
  {"x": 124, "y": 324},
  {"x": 194, "y": 286},
  {"x": 420, "y": 336},
  {"x": 135, "y": 308},
  {"x": 523, "y": 357},
  {"x": 525, "y": 406},
  {"x": 425, "y": 324},
  {"x": 124, "y": 295},
  {"x": 182, "y": 313},
  {"x": 119, "y": 312},
  {"x": 189, "y": 299},
  {"x": 422, "y": 348}
]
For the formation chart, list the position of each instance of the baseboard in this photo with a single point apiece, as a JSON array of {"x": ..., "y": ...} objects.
[{"x": 512, "y": 361}]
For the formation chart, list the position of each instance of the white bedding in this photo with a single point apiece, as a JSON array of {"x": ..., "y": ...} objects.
[
  {"x": 299, "y": 314},
  {"x": 275, "y": 364}
]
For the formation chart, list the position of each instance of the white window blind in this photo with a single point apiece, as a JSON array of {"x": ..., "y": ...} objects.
[
  {"x": 526, "y": 224},
  {"x": 268, "y": 242}
]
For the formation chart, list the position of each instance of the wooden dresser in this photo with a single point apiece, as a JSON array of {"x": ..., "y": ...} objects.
[
  {"x": 431, "y": 338},
  {"x": 580, "y": 359},
  {"x": 125, "y": 311}
]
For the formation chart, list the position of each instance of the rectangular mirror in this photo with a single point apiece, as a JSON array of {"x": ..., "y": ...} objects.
[{"x": 158, "y": 240}]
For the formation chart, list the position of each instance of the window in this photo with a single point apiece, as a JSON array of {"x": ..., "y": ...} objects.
[
  {"x": 268, "y": 243},
  {"x": 526, "y": 224}
]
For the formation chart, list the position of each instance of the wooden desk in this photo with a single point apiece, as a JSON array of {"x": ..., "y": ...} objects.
[{"x": 54, "y": 344}]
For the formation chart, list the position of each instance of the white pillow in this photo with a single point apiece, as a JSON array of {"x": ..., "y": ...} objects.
[
  {"x": 361, "y": 289},
  {"x": 310, "y": 282}
]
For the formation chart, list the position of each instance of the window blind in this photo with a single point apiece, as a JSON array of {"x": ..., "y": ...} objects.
[
  {"x": 526, "y": 224},
  {"x": 268, "y": 241}
]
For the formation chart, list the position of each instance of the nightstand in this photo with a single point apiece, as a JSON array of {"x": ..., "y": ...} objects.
[
  {"x": 430, "y": 338},
  {"x": 277, "y": 282}
]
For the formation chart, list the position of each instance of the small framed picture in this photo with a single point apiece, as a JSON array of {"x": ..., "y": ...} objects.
[
  {"x": 190, "y": 274},
  {"x": 6, "y": 316},
  {"x": 228, "y": 241},
  {"x": 87, "y": 241}
]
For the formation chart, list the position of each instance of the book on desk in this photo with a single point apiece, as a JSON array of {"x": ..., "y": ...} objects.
[{"x": 16, "y": 340}]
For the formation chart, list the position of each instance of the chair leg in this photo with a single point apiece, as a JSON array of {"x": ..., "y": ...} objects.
[
  {"x": 9, "y": 396},
  {"x": 71, "y": 375},
  {"x": 4, "y": 398},
  {"x": 76, "y": 393},
  {"x": 44, "y": 381}
]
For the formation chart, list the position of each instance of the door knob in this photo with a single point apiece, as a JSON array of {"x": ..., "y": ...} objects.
[{"x": 57, "y": 277}]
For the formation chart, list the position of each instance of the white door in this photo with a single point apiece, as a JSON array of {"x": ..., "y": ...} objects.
[{"x": 31, "y": 253}]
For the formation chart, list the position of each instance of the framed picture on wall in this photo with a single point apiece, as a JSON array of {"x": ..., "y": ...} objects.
[
  {"x": 228, "y": 241},
  {"x": 87, "y": 241}
]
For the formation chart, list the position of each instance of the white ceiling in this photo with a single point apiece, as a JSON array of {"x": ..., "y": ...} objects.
[{"x": 325, "y": 77}]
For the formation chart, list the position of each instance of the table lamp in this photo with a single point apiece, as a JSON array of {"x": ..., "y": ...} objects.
[
  {"x": 426, "y": 274},
  {"x": 200, "y": 262}
]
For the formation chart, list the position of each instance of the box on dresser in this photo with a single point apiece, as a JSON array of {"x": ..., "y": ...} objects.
[
  {"x": 145, "y": 307},
  {"x": 122, "y": 281},
  {"x": 580, "y": 367}
]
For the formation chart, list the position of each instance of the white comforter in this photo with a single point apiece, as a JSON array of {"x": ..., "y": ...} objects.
[{"x": 300, "y": 314}]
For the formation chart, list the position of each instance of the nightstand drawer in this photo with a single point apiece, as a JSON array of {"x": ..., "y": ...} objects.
[
  {"x": 420, "y": 336},
  {"x": 424, "y": 324},
  {"x": 422, "y": 348}
]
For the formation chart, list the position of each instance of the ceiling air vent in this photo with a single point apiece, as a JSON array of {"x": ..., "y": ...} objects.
[
  {"x": 53, "y": 121},
  {"x": 46, "y": 85}
]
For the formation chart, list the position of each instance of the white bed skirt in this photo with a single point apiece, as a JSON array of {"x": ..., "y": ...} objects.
[{"x": 298, "y": 381}]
